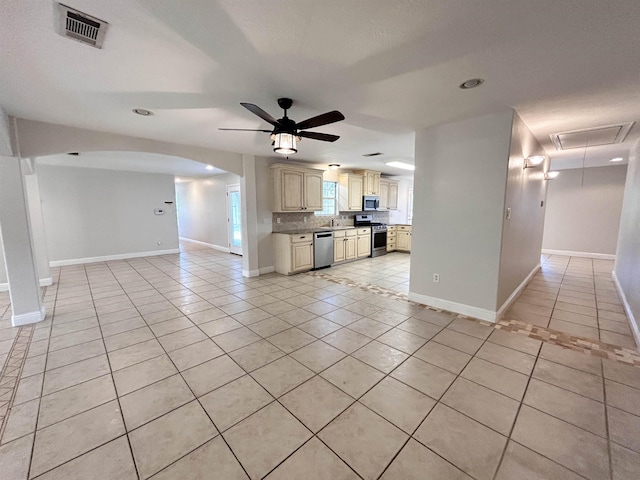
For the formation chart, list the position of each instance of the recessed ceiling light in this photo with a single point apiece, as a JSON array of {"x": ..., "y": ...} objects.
[
  {"x": 142, "y": 111},
  {"x": 471, "y": 83},
  {"x": 209, "y": 167},
  {"x": 334, "y": 166},
  {"x": 617, "y": 159},
  {"x": 403, "y": 165}
]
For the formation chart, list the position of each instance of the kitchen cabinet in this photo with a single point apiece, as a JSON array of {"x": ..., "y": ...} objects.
[
  {"x": 296, "y": 188},
  {"x": 344, "y": 245},
  {"x": 403, "y": 239},
  {"x": 364, "y": 242},
  {"x": 371, "y": 182},
  {"x": 388, "y": 194},
  {"x": 391, "y": 238},
  {"x": 350, "y": 192},
  {"x": 293, "y": 253}
]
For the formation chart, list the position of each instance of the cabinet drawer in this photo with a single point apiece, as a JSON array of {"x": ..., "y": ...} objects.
[
  {"x": 404, "y": 228},
  {"x": 307, "y": 237},
  {"x": 350, "y": 233},
  {"x": 391, "y": 236},
  {"x": 391, "y": 246},
  {"x": 391, "y": 229},
  {"x": 338, "y": 233},
  {"x": 364, "y": 231}
]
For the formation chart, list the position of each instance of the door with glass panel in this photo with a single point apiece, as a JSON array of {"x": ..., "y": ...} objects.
[{"x": 234, "y": 219}]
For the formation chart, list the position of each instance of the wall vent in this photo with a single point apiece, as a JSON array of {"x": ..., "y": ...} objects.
[
  {"x": 372, "y": 154},
  {"x": 591, "y": 137},
  {"x": 79, "y": 26}
]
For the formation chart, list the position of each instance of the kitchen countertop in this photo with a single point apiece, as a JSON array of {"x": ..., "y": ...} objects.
[{"x": 314, "y": 230}]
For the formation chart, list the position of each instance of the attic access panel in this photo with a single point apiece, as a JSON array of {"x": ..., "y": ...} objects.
[{"x": 591, "y": 137}]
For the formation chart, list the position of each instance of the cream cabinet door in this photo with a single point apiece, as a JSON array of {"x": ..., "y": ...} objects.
[
  {"x": 301, "y": 256},
  {"x": 355, "y": 192},
  {"x": 403, "y": 241},
  {"x": 384, "y": 195},
  {"x": 292, "y": 192},
  {"x": 392, "y": 195},
  {"x": 350, "y": 251},
  {"x": 364, "y": 246},
  {"x": 313, "y": 191},
  {"x": 338, "y": 249}
]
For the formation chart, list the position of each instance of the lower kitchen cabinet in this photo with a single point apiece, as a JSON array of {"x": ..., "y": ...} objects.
[
  {"x": 344, "y": 245},
  {"x": 293, "y": 253},
  {"x": 364, "y": 242},
  {"x": 403, "y": 238},
  {"x": 391, "y": 238}
]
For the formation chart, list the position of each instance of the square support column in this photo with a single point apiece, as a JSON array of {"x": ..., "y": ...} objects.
[{"x": 19, "y": 253}]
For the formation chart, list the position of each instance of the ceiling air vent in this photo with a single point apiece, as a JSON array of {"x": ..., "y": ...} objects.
[
  {"x": 372, "y": 154},
  {"x": 591, "y": 137},
  {"x": 80, "y": 26}
]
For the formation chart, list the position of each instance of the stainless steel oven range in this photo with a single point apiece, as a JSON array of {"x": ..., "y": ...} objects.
[{"x": 378, "y": 234}]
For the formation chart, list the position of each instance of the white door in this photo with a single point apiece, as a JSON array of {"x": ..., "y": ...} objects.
[{"x": 234, "y": 219}]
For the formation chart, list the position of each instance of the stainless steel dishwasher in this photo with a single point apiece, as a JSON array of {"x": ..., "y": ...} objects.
[{"x": 322, "y": 249}]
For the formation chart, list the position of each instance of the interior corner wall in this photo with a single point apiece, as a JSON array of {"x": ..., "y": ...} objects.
[
  {"x": 585, "y": 217},
  {"x": 627, "y": 266},
  {"x": 91, "y": 213},
  {"x": 202, "y": 209},
  {"x": 461, "y": 170},
  {"x": 525, "y": 196}
]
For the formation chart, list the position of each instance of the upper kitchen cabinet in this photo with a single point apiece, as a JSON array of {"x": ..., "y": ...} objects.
[
  {"x": 350, "y": 192},
  {"x": 371, "y": 182},
  {"x": 296, "y": 188},
  {"x": 388, "y": 194}
]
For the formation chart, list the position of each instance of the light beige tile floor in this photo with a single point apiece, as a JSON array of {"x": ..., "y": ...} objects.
[{"x": 177, "y": 367}]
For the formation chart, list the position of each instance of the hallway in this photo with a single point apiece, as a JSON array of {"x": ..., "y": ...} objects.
[{"x": 178, "y": 367}]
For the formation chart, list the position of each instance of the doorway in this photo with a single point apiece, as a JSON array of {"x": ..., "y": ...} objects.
[{"x": 234, "y": 219}]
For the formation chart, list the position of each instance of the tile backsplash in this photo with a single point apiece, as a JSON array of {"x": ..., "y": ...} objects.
[{"x": 296, "y": 220}]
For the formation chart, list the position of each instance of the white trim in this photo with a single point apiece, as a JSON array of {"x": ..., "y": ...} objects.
[
  {"x": 28, "y": 318},
  {"x": 210, "y": 245},
  {"x": 475, "y": 312},
  {"x": 570, "y": 253},
  {"x": 44, "y": 282},
  {"x": 250, "y": 273},
  {"x": 106, "y": 258},
  {"x": 516, "y": 293},
  {"x": 627, "y": 308},
  {"x": 264, "y": 270}
]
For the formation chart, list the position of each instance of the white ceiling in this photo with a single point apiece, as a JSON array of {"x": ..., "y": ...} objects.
[{"x": 390, "y": 67}]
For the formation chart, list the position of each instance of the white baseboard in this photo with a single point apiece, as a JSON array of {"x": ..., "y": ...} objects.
[
  {"x": 265, "y": 270},
  {"x": 107, "y": 258},
  {"x": 627, "y": 308},
  {"x": 468, "y": 310},
  {"x": 210, "y": 245},
  {"x": 516, "y": 293},
  {"x": 28, "y": 318},
  {"x": 44, "y": 282},
  {"x": 250, "y": 273},
  {"x": 569, "y": 253}
]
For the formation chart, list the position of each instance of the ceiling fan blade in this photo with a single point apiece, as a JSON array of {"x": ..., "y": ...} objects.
[
  {"x": 325, "y": 137},
  {"x": 256, "y": 110},
  {"x": 324, "y": 119},
  {"x": 245, "y": 130}
]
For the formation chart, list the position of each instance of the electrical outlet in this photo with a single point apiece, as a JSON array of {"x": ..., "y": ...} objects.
[
  {"x": 436, "y": 278},
  {"x": 159, "y": 242}
]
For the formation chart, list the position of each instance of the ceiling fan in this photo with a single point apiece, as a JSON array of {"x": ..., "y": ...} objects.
[{"x": 287, "y": 132}]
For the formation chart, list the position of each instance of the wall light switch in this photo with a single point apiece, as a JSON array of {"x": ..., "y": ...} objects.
[{"x": 277, "y": 219}]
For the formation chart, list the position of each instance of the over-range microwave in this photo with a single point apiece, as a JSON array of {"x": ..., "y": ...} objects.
[{"x": 370, "y": 202}]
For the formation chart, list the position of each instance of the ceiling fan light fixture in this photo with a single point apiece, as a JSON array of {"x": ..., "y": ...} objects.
[{"x": 284, "y": 143}]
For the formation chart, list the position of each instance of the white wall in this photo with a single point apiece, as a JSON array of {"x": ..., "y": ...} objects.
[
  {"x": 96, "y": 213},
  {"x": 202, "y": 209},
  {"x": 264, "y": 189},
  {"x": 399, "y": 216},
  {"x": 627, "y": 267},
  {"x": 522, "y": 233},
  {"x": 585, "y": 218},
  {"x": 461, "y": 171}
]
